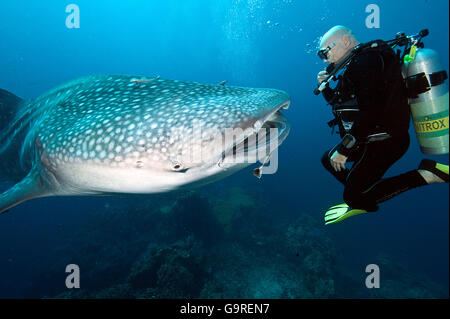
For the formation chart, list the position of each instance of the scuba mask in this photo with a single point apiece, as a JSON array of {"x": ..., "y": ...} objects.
[{"x": 323, "y": 53}]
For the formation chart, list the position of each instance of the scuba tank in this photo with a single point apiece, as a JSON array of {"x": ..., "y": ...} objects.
[
  {"x": 428, "y": 98},
  {"x": 427, "y": 92}
]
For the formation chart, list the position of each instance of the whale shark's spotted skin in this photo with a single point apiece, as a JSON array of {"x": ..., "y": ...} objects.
[
  {"x": 106, "y": 119},
  {"x": 119, "y": 133}
]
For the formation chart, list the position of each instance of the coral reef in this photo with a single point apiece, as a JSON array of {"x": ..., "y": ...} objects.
[
  {"x": 201, "y": 246},
  {"x": 169, "y": 271}
]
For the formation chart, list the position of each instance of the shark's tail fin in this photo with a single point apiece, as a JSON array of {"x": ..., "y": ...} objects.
[{"x": 10, "y": 106}]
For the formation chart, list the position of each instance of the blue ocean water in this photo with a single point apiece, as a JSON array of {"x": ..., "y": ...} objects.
[{"x": 248, "y": 43}]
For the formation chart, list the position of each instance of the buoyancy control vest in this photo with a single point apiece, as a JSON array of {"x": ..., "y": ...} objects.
[{"x": 344, "y": 101}]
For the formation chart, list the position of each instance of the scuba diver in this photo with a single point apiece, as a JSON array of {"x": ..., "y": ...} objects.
[{"x": 372, "y": 110}]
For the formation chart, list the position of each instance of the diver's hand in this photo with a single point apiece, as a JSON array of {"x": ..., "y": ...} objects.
[
  {"x": 321, "y": 76},
  {"x": 338, "y": 161}
]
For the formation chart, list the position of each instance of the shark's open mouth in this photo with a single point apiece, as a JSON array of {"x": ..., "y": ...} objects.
[
  {"x": 273, "y": 132},
  {"x": 261, "y": 143}
]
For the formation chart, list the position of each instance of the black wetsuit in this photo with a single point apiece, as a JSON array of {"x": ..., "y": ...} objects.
[{"x": 373, "y": 79}]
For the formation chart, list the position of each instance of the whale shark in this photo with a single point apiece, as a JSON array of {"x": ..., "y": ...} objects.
[{"x": 124, "y": 134}]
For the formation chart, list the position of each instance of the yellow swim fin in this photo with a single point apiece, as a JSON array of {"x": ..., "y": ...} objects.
[
  {"x": 437, "y": 169},
  {"x": 340, "y": 212}
]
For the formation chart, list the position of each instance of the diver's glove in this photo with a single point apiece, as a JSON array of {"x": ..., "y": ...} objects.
[{"x": 340, "y": 212}]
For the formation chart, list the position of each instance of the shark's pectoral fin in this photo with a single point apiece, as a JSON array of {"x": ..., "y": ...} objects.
[{"x": 28, "y": 188}]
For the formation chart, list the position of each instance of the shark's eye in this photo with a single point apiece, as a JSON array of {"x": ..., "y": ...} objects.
[{"x": 177, "y": 167}]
